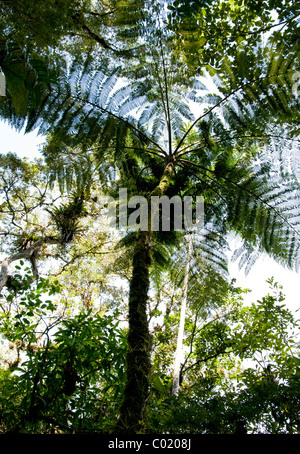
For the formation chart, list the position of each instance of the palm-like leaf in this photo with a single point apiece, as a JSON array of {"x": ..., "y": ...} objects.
[
  {"x": 220, "y": 155},
  {"x": 232, "y": 131},
  {"x": 235, "y": 155},
  {"x": 27, "y": 80},
  {"x": 218, "y": 149}
]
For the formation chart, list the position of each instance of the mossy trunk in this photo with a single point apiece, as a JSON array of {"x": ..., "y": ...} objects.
[{"x": 138, "y": 362}]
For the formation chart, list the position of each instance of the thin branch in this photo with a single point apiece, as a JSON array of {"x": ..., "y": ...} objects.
[
  {"x": 284, "y": 24},
  {"x": 190, "y": 145},
  {"x": 191, "y": 343},
  {"x": 220, "y": 352},
  {"x": 160, "y": 154},
  {"x": 97, "y": 38},
  {"x": 149, "y": 150},
  {"x": 26, "y": 254},
  {"x": 203, "y": 360},
  {"x": 262, "y": 136},
  {"x": 108, "y": 112},
  {"x": 263, "y": 29},
  {"x": 207, "y": 112},
  {"x": 156, "y": 69},
  {"x": 93, "y": 13},
  {"x": 202, "y": 181},
  {"x": 191, "y": 151},
  {"x": 167, "y": 100},
  {"x": 92, "y": 250}
]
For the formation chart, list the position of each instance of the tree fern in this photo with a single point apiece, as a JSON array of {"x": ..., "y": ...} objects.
[
  {"x": 209, "y": 144},
  {"x": 28, "y": 82}
]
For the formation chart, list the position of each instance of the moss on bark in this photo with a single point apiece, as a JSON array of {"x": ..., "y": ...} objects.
[{"x": 138, "y": 364}]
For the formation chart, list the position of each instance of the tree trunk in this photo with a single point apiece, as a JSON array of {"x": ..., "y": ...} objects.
[
  {"x": 138, "y": 363},
  {"x": 29, "y": 253},
  {"x": 178, "y": 353}
]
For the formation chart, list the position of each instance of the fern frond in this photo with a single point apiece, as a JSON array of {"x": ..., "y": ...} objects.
[{"x": 28, "y": 83}]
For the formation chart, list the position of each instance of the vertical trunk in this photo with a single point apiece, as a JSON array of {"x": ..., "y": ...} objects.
[
  {"x": 139, "y": 344},
  {"x": 178, "y": 353}
]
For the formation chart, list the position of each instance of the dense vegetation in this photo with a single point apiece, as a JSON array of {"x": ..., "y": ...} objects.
[{"x": 112, "y": 330}]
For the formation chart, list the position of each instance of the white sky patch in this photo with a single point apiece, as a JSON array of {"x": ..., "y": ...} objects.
[{"x": 24, "y": 145}]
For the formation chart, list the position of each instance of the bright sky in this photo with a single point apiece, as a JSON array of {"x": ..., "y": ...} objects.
[
  {"x": 28, "y": 146},
  {"x": 23, "y": 145},
  {"x": 264, "y": 269}
]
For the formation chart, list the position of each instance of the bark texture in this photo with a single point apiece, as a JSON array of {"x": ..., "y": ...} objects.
[{"x": 138, "y": 364}]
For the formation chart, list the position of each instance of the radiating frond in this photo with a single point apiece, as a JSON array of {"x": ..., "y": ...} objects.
[{"x": 27, "y": 83}]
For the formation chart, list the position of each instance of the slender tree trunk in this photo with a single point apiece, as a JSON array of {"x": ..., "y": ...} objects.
[
  {"x": 29, "y": 253},
  {"x": 178, "y": 353},
  {"x": 138, "y": 363}
]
